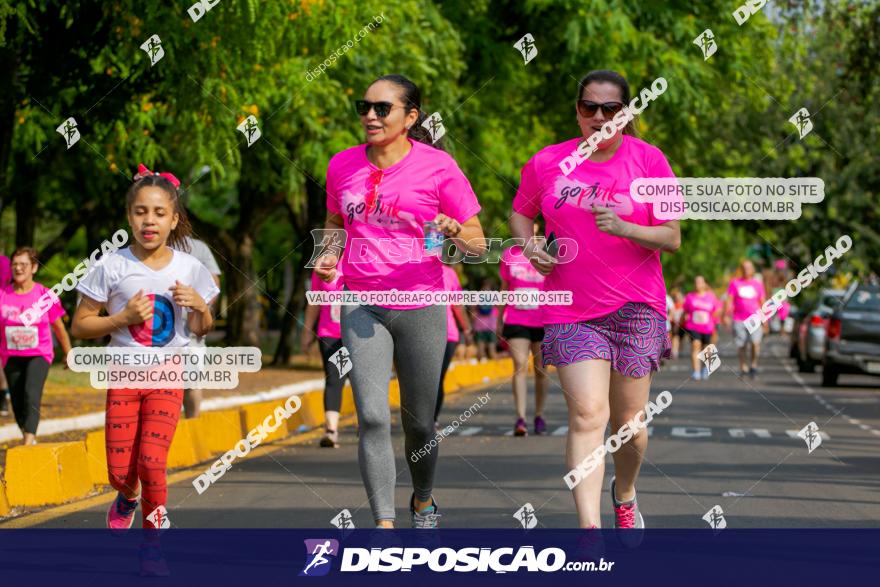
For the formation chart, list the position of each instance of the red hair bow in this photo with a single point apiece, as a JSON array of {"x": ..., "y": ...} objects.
[{"x": 143, "y": 171}]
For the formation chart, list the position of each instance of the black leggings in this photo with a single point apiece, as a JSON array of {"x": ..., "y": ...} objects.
[
  {"x": 333, "y": 383},
  {"x": 26, "y": 377},
  {"x": 447, "y": 358}
]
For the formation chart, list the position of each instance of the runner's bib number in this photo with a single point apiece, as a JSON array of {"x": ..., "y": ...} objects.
[
  {"x": 21, "y": 338},
  {"x": 335, "y": 311},
  {"x": 747, "y": 292},
  {"x": 700, "y": 317},
  {"x": 527, "y": 291}
]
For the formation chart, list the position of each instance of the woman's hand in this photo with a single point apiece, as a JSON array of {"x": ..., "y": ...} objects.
[
  {"x": 608, "y": 221},
  {"x": 325, "y": 266},
  {"x": 448, "y": 226},
  {"x": 138, "y": 310},
  {"x": 187, "y": 297},
  {"x": 540, "y": 259}
]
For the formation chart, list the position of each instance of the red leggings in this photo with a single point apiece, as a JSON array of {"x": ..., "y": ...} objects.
[{"x": 139, "y": 427}]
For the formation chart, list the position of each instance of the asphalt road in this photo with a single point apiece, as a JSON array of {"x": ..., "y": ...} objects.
[{"x": 718, "y": 436}]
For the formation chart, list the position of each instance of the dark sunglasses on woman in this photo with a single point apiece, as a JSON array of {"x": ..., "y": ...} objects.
[
  {"x": 382, "y": 108},
  {"x": 588, "y": 108}
]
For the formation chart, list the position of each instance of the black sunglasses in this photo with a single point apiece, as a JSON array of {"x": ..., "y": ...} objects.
[
  {"x": 382, "y": 109},
  {"x": 588, "y": 108}
]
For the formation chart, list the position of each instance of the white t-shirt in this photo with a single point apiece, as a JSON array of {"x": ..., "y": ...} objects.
[{"x": 122, "y": 275}]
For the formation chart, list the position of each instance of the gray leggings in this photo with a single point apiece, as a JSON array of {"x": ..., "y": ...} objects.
[{"x": 415, "y": 340}]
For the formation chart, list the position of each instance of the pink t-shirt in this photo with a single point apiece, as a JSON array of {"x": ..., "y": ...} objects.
[
  {"x": 18, "y": 340},
  {"x": 521, "y": 275},
  {"x": 328, "y": 318},
  {"x": 746, "y": 295},
  {"x": 427, "y": 181},
  {"x": 451, "y": 283},
  {"x": 485, "y": 320},
  {"x": 606, "y": 271},
  {"x": 699, "y": 311},
  {"x": 783, "y": 311}
]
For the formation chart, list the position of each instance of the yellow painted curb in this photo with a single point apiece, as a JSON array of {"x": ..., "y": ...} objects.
[
  {"x": 220, "y": 430},
  {"x": 4, "y": 504},
  {"x": 254, "y": 414},
  {"x": 394, "y": 393},
  {"x": 312, "y": 411},
  {"x": 96, "y": 449},
  {"x": 187, "y": 446},
  {"x": 47, "y": 473},
  {"x": 347, "y": 407}
]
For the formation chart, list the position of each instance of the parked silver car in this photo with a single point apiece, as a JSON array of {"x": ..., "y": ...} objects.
[
  {"x": 852, "y": 343},
  {"x": 808, "y": 336}
]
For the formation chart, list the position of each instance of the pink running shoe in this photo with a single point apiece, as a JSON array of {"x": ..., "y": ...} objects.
[
  {"x": 120, "y": 516},
  {"x": 591, "y": 545},
  {"x": 628, "y": 517}
]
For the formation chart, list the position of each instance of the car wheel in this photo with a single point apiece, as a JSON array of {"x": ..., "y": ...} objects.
[{"x": 829, "y": 375}]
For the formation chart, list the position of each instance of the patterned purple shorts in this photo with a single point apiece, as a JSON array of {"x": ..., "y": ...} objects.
[{"x": 633, "y": 338}]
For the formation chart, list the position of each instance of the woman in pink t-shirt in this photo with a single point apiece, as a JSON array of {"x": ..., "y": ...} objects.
[
  {"x": 326, "y": 317},
  {"x": 523, "y": 328},
  {"x": 27, "y": 351},
  {"x": 702, "y": 311},
  {"x": 609, "y": 341},
  {"x": 745, "y": 295},
  {"x": 386, "y": 197}
]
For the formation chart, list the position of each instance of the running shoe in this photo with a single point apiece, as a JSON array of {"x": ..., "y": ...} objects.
[
  {"x": 628, "y": 517},
  {"x": 540, "y": 426},
  {"x": 153, "y": 561},
  {"x": 696, "y": 375},
  {"x": 426, "y": 518},
  {"x": 753, "y": 372},
  {"x": 120, "y": 516},
  {"x": 4, "y": 405},
  {"x": 330, "y": 440},
  {"x": 520, "y": 429}
]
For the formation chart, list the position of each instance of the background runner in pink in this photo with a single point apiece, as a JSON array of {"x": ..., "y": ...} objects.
[
  {"x": 519, "y": 273},
  {"x": 328, "y": 319},
  {"x": 746, "y": 294},
  {"x": 700, "y": 310}
]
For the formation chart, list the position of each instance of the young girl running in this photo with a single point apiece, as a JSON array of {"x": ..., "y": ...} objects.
[
  {"x": 702, "y": 311},
  {"x": 151, "y": 293},
  {"x": 384, "y": 193},
  {"x": 523, "y": 328},
  {"x": 610, "y": 340},
  {"x": 27, "y": 351},
  {"x": 330, "y": 341}
]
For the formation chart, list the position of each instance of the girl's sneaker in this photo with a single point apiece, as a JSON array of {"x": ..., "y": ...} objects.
[
  {"x": 696, "y": 375},
  {"x": 120, "y": 516},
  {"x": 540, "y": 426},
  {"x": 153, "y": 562},
  {"x": 520, "y": 429}
]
